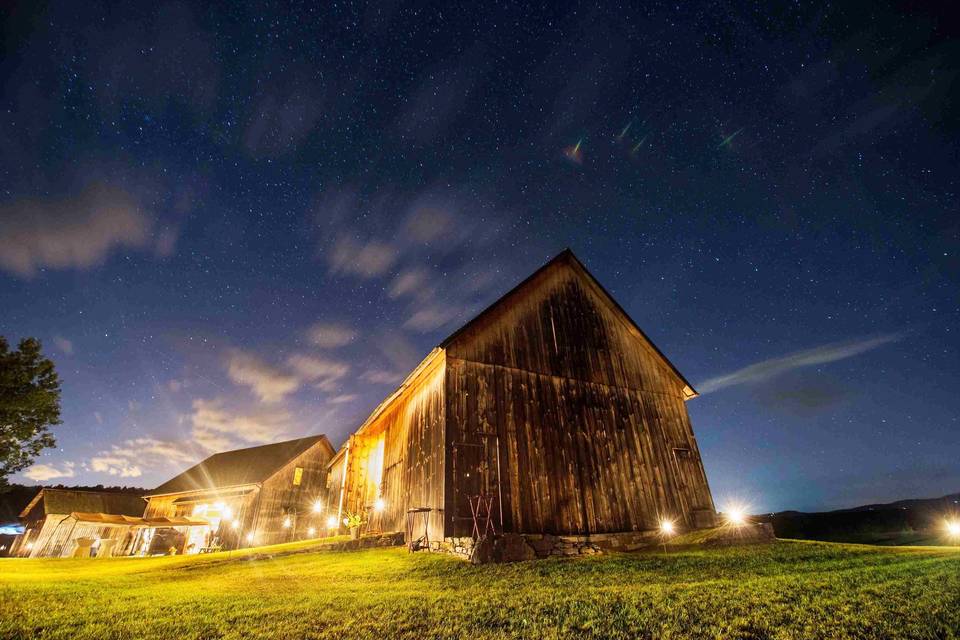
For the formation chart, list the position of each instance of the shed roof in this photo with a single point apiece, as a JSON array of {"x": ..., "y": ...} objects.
[
  {"x": 107, "y": 519},
  {"x": 239, "y": 467},
  {"x": 64, "y": 501}
]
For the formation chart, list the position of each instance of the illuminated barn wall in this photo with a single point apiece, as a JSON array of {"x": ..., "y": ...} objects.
[
  {"x": 551, "y": 401},
  {"x": 398, "y": 455}
]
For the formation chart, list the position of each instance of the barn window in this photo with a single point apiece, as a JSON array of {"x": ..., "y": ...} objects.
[
  {"x": 682, "y": 453},
  {"x": 297, "y": 476}
]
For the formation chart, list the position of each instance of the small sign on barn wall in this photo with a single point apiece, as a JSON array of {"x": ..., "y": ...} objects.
[{"x": 297, "y": 476}]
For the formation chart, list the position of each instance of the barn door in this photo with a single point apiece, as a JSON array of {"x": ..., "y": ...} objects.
[{"x": 477, "y": 502}]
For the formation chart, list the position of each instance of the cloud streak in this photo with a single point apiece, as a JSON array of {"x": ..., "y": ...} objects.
[
  {"x": 69, "y": 233},
  {"x": 767, "y": 369},
  {"x": 330, "y": 336},
  {"x": 268, "y": 383},
  {"x": 46, "y": 472},
  {"x": 218, "y": 428},
  {"x": 132, "y": 457}
]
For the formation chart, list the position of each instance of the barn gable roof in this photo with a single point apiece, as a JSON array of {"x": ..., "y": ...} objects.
[
  {"x": 65, "y": 501},
  {"x": 567, "y": 257},
  {"x": 253, "y": 465}
]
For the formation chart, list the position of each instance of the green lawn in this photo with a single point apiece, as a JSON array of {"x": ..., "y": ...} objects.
[{"x": 784, "y": 590}]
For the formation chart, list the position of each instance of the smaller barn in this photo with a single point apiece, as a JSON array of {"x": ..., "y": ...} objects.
[
  {"x": 62, "y": 522},
  {"x": 260, "y": 495}
]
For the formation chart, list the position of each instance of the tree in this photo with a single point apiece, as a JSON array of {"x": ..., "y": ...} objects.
[{"x": 29, "y": 405}]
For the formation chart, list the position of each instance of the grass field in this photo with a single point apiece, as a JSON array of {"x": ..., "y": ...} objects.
[{"x": 784, "y": 590}]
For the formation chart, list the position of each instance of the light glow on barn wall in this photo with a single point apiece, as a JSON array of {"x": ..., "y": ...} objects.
[{"x": 375, "y": 464}]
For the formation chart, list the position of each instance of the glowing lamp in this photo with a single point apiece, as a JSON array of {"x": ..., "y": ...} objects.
[
  {"x": 953, "y": 528},
  {"x": 311, "y": 532},
  {"x": 250, "y": 537},
  {"x": 736, "y": 516},
  {"x": 29, "y": 546},
  {"x": 317, "y": 506},
  {"x": 379, "y": 505},
  {"x": 235, "y": 524},
  {"x": 666, "y": 527},
  {"x": 332, "y": 522},
  {"x": 227, "y": 512},
  {"x": 286, "y": 522}
]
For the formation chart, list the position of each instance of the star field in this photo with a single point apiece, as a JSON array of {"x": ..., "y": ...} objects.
[{"x": 232, "y": 223}]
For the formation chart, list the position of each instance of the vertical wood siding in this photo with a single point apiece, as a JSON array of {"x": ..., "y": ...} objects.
[
  {"x": 279, "y": 498},
  {"x": 593, "y": 431},
  {"x": 412, "y": 475}
]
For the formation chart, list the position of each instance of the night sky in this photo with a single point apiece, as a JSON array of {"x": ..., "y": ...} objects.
[{"x": 235, "y": 224}]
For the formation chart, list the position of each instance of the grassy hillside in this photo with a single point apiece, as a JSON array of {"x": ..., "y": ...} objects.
[
  {"x": 785, "y": 590},
  {"x": 906, "y": 522}
]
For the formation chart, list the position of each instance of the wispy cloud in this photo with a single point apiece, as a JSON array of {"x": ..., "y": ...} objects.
[
  {"x": 323, "y": 373},
  {"x": 132, "y": 457},
  {"x": 78, "y": 232},
  {"x": 328, "y": 335},
  {"x": 766, "y": 369},
  {"x": 217, "y": 428},
  {"x": 267, "y": 382},
  {"x": 45, "y": 472},
  {"x": 364, "y": 259}
]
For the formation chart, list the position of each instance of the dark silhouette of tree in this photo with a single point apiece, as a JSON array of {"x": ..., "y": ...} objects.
[{"x": 29, "y": 405}]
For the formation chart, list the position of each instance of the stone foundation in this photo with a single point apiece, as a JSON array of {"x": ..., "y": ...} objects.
[
  {"x": 514, "y": 547},
  {"x": 393, "y": 539}
]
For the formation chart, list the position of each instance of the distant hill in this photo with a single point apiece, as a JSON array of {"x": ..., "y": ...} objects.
[
  {"x": 18, "y": 496},
  {"x": 905, "y": 522}
]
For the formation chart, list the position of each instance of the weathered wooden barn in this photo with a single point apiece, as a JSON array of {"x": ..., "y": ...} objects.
[
  {"x": 56, "y": 519},
  {"x": 254, "y": 496},
  {"x": 550, "y": 412}
]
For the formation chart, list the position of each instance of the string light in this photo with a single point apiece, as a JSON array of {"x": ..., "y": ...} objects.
[
  {"x": 286, "y": 522},
  {"x": 250, "y": 537},
  {"x": 379, "y": 505},
  {"x": 332, "y": 522},
  {"x": 666, "y": 527},
  {"x": 317, "y": 506}
]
